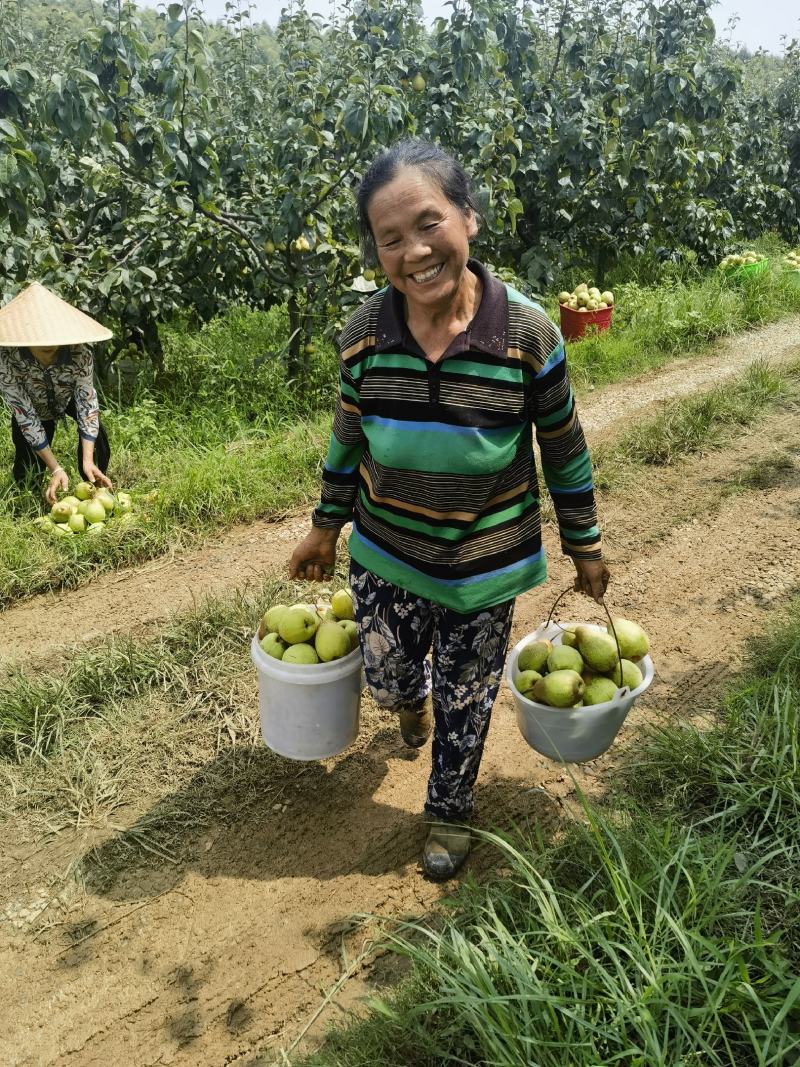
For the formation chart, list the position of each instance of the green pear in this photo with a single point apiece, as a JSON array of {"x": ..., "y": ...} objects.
[
  {"x": 534, "y": 655},
  {"x": 342, "y": 604},
  {"x": 272, "y": 619},
  {"x": 124, "y": 502},
  {"x": 599, "y": 690},
  {"x": 300, "y": 653},
  {"x": 561, "y": 689},
  {"x": 350, "y": 627},
  {"x": 84, "y": 490},
  {"x": 273, "y": 646},
  {"x": 525, "y": 681},
  {"x": 564, "y": 658},
  {"x": 599, "y": 650},
  {"x": 298, "y": 624},
  {"x": 106, "y": 499},
  {"x": 568, "y": 637},
  {"x": 61, "y": 511},
  {"x": 94, "y": 511},
  {"x": 95, "y": 528},
  {"x": 77, "y": 523},
  {"x": 630, "y": 675},
  {"x": 331, "y": 642},
  {"x": 633, "y": 641}
]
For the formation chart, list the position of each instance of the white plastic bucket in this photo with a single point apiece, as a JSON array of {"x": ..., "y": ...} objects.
[
  {"x": 571, "y": 735},
  {"x": 308, "y": 711}
]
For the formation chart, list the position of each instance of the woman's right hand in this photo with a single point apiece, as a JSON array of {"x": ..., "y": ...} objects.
[
  {"x": 58, "y": 480},
  {"x": 315, "y": 556}
]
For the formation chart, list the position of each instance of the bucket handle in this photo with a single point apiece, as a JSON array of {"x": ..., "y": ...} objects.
[{"x": 560, "y": 597}]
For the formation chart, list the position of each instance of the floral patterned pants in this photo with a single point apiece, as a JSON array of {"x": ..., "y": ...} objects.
[{"x": 397, "y": 630}]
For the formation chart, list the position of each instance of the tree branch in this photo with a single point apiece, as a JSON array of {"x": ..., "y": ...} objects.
[
  {"x": 321, "y": 200},
  {"x": 234, "y": 227},
  {"x": 561, "y": 22},
  {"x": 87, "y": 226}
]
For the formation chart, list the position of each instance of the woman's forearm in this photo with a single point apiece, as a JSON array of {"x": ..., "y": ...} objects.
[
  {"x": 47, "y": 457},
  {"x": 87, "y": 451}
]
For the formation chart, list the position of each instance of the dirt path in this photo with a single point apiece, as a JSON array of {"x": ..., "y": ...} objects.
[
  {"x": 618, "y": 404},
  {"x": 224, "y": 956},
  {"x": 133, "y": 600}
]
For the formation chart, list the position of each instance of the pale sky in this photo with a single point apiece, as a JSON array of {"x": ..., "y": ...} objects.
[{"x": 761, "y": 22}]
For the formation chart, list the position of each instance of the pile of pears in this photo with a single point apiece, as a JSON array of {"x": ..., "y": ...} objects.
[
  {"x": 585, "y": 668},
  {"x": 792, "y": 261},
  {"x": 586, "y": 298},
  {"x": 85, "y": 512},
  {"x": 743, "y": 259},
  {"x": 310, "y": 633}
]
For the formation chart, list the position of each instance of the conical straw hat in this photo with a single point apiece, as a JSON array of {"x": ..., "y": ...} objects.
[{"x": 36, "y": 317}]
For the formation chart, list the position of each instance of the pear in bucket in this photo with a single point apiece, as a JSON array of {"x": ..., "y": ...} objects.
[
  {"x": 525, "y": 682},
  {"x": 561, "y": 689},
  {"x": 633, "y": 641},
  {"x": 599, "y": 650},
  {"x": 599, "y": 690},
  {"x": 533, "y": 656},
  {"x": 630, "y": 675},
  {"x": 565, "y": 658}
]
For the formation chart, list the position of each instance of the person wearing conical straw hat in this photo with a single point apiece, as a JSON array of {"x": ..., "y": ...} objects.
[{"x": 47, "y": 372}]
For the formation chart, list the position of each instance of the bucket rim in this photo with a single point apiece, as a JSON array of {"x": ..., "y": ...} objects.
[{"x": 293, "y": 672}]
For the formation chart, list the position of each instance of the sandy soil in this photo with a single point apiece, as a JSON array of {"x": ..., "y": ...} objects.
[{"x": 224, "y": 954}]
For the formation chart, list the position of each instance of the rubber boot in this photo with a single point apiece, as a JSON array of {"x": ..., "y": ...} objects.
[{"x": 445, "y": 850}]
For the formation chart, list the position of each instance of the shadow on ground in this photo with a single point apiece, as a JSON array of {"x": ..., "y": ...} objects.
[{"x": 221, "y": 826}]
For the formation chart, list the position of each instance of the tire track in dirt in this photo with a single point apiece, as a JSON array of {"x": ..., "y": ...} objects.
[
  {"x": 222, "y": 957},
  {"x": 133, "y": 601}
]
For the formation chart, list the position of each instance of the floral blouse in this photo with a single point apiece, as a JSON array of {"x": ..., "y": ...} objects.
[{"x": 38, "y": 394}]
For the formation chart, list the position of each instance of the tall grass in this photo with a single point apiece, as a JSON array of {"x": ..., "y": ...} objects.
[
  {"x": 201, "y": 488},
  {"x": 663, "y": 934},
  {"x": 203, "y": 650},
  {"x": 659, "y": 320}
]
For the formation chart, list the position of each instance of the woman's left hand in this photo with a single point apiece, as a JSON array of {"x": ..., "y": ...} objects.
[
  {"x": 592, "y": 578},
  {"x": 96, "y": 476}
]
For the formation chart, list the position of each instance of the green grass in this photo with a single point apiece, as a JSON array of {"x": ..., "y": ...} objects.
[
  {"x": 227, "y": 438},
  {"x": 41, "y": 713},
  {"x": 201, "y": 489},
  {"x": 656, "y": 321},
  {"x": 662, "y": 933},
  {"x": 696, "y": 424}
]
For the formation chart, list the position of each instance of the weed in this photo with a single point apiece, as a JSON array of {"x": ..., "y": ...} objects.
[{"x": 665, "y": 934}]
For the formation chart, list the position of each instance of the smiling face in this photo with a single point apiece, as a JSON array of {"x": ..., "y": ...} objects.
[{"x": 422, "y": 240}]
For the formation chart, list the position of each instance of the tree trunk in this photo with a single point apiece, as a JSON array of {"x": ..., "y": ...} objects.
[{"x": 293, "y": 364}]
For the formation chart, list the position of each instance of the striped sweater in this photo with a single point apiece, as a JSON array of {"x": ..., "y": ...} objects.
[{"x": 434, "y": 462}]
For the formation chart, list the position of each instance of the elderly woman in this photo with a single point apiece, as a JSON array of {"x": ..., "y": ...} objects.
[
  {"x": 46, "y": 372},
  {"x": 444, "y": 373}
]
